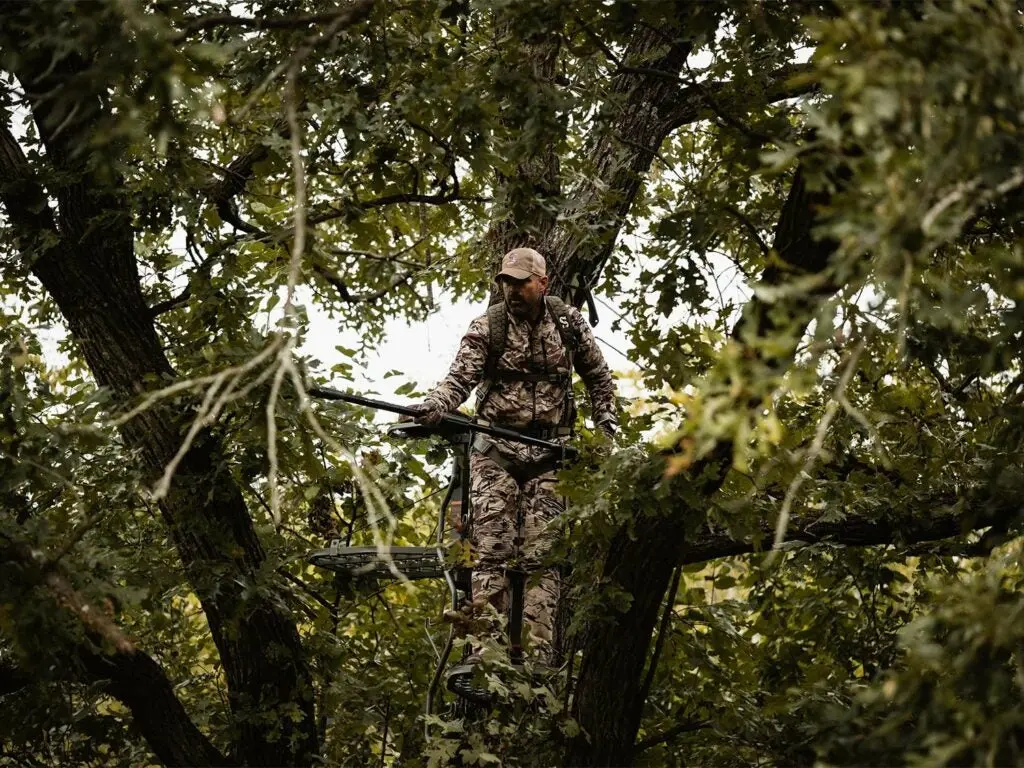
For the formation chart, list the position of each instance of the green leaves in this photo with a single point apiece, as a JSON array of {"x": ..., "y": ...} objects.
[{"x": 890, "y": 405}]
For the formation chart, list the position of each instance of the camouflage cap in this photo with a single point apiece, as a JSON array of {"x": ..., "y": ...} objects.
[{"x": 520, "y": 263}]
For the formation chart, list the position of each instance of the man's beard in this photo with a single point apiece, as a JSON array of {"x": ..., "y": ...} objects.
[{"x": 520, "y": 309}]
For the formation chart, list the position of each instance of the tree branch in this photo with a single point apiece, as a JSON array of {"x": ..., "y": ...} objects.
[
  {"x": 237, "y": 175},
  {"x": 850, "y": 532},
  {"x": 341, "y": 286},
  {"x": 749, "y": 226},
  {"x": 355, "y": 207},
  {"x": 108, "y": 656},
  {"x": 685, "y": 726},
  {"x": 24, "y": 199},
  {"x": 652, "y": 665},
  {"x": 203, "y": 269},
  {"x": 223, "y": 20},
  {"x": 704, "y": 101}
]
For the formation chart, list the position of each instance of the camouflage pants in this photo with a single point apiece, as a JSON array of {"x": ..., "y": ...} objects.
[{"x": 498, "y": 501}]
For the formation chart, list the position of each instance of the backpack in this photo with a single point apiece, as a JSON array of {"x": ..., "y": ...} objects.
[{"x": 497, "y": 335}]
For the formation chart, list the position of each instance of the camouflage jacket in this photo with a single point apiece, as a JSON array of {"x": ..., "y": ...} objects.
[{"x": 530, "y": 349}]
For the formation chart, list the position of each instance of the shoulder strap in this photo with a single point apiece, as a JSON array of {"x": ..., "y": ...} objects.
[
  {"x": 497, "y": 333},
  {"x": 563, "y": 322}
]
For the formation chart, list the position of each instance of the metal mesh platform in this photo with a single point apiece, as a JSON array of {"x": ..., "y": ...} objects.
[{"x": 371, "y": 563}]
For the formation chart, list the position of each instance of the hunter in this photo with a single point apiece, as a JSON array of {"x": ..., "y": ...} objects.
[{"x": 521, "y": 354}]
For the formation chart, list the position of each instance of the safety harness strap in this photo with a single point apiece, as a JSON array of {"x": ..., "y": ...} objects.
[
  {"x": 540, "y": 431},
  {"x": 520, "y": 472},
  {"x": 555, "y": 377}
]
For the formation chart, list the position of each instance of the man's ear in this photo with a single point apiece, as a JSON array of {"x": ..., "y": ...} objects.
[{"x": 543, "y": 283}]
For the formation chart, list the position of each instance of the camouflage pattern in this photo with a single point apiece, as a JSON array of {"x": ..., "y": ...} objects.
[
  {"x": 499, "y": 504},
  {"x": 531, "y": 349},
  {"x": 497, "y": 497}
]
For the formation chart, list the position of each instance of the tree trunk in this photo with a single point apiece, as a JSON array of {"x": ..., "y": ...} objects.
[
  {"x": 98, "y": 293},
  {"x": 85, "y": 260},
  {"x": 640, "y": 561},
  {"x": 101, "y": 652},
  {"x": 621, "y": 152},
  {"x": 528, "y": 200}
]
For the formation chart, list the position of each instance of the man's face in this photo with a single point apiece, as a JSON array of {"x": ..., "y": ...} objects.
[{"x": 523, "y": 297}]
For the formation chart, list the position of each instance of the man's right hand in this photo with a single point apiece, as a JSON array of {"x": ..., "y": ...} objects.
[{"x": 428, "y": 413}]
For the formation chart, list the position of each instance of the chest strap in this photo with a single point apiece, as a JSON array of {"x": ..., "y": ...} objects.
[
  {"x": 555, "y": 377},
  {"x": 540, "y": 431}
]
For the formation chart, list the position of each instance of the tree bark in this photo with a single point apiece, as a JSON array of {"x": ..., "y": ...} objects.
[
  {"x": 137, "y": 680},
  {"x": 621, "y": 151},
  {"x": 528, "y": 199},
  {"x": 849, "y": 532}
]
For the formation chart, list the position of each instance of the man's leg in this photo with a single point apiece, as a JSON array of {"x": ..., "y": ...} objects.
[
  {"x": 494, "y": 495},
  {"x": 541, "y": 505}
]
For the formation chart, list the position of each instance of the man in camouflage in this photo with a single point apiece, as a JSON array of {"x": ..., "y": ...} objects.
[{"x": 529, "y": 389}]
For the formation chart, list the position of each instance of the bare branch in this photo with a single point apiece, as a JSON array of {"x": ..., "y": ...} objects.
[
  {"x": 387, "y": 258},
  {"x": 182, "y": 298},
  {"x": 224, "y": 20},
  {"x": 354, "y": 207},
  {"x": 107, "y": 655},
  {"x": 341, "y": 286},
  {"x": 685, "y": 726},
  {"x": 652, "y": 665},
  {"x": 749, "y": 226},
  {"x": 705, "y": 101},
  {"x": 331, "y": 608}
]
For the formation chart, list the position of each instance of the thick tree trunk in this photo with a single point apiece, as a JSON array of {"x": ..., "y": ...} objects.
[
  {"x": 100, "y": 652},
  {"x": 138, "y": 681},
  {"x": 98, "y": 293},
  {"x": 528, "y": 199},
  {"x": 86, "y": 262},
  {"x": 621, "y": 152},
  {"x": 97, "y": 290}
]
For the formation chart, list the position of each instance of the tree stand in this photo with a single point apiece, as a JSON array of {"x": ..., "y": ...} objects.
[{"x": 372, "y": 564}]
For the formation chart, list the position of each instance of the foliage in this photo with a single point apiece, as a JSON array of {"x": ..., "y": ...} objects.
[{"x": 808, "y": 218}]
